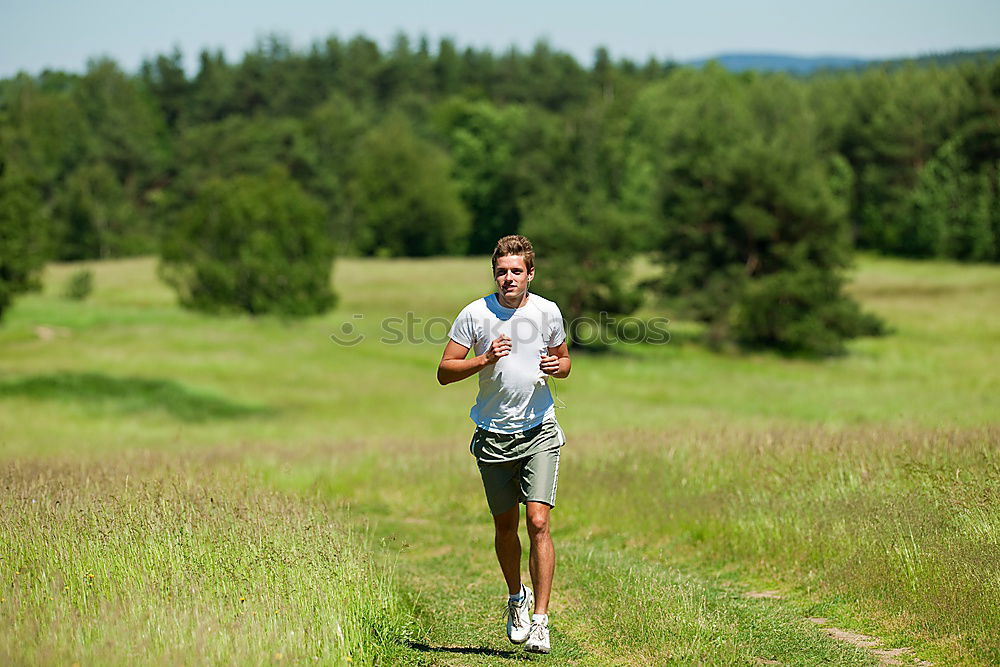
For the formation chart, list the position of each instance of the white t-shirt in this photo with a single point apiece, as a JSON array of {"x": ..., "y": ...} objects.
[{"x": 513, "y": 395}]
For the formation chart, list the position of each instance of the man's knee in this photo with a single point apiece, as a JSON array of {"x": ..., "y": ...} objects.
[{"x": 538, "y": 519}]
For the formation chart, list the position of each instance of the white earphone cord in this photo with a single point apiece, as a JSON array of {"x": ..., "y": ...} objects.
[{"x": 555, "y": 396}]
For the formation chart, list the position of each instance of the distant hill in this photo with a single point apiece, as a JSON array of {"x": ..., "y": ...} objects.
[
  {"x": 778, "y": 62},
  {"x": 950, "y": 58}
]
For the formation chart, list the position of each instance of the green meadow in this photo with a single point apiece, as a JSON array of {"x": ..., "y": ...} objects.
[{"x": 180, "y": 488}]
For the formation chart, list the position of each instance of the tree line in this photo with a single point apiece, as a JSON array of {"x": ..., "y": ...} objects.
[{"x": 751, "y": 190}]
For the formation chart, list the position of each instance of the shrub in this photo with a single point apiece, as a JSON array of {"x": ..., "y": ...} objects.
[
  {"x": 251, "y": 243},
  {"x": 80, "y": 285},
  {"x": 800, "y": 312}
]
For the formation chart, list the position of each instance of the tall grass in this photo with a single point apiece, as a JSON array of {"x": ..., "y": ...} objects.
[
  {"x": 147, "y": 559},
  {"x": 905, "y": 524},
  {"x": 893, "y": 532}
]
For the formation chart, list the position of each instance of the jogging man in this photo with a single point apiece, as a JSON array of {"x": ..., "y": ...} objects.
[{"x": 518, "y": 341}]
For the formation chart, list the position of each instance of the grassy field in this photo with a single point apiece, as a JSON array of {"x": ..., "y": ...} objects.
[{"x": 181, "y": 488}]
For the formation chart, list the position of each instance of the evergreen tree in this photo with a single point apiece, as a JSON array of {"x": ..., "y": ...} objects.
[
  {"x": 447, "y": 68},
  {"x": 901, "y": 118},
  {"x": 240, "y": 145},
  {"x": 43, "y": 133},
  {"x": 128, "y": 131},
  {"x": 166, "y": 80},
  {"x": 587, "y": 244},
  {"x": 362, "y": 67},
  {"x": 591, "y": 224},
  {"x": 335, "y": 129},
  {"x": 403, "y": 198},
  {"x": 95, "y": 217},
  {"x": 484, "y": 141},
  {"x": 23, "y": 237},
  {"x": 213, "y": 90},
  {"x": 749, "y": 222}
]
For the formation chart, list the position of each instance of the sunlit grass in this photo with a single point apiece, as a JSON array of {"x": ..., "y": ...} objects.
[
  {"x": 901, "y": 523},
  {"x": 145, "y": 559},
  {"x": 937, "y": 369},
  {"x": 894, "y": 532},
  {"x": 864, "y": 487}
]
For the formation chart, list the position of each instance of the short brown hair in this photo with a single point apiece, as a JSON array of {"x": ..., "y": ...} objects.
[{"x": 514, "y": 244}]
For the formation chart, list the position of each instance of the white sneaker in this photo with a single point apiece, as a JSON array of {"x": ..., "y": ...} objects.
[
  {"x": 538, "y": 638},
  {"x": 519, "y": 617}
]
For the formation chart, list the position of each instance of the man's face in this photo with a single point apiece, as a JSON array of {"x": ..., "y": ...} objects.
[{"x": 512, "y": 277}]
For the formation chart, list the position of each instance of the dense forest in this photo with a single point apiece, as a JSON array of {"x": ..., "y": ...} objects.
[{"x": 424, "y": 149}]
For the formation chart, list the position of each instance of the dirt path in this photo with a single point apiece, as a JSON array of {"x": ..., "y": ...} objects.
[
  {"x": 613, "y": 603},
  {"x": 902, "y": 655}
]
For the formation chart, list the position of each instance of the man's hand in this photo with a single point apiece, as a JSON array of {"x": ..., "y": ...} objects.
[
  {"x": 549, "y": 364},
  {"x": 497, "y": 349},
  {"x": 556, "y": 363},
  {"x": 454, "y": 366}
]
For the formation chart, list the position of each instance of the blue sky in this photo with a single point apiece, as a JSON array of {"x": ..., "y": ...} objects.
[{"x": 35, "y": 34}]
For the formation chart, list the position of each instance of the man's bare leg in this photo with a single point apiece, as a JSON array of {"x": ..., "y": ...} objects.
[
  {"x": 508, "y": 547},
  {"x": 542, "y": 558}
]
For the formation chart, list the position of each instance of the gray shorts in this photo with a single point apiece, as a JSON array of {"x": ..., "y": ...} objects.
[{"x": 532, "y": 477}]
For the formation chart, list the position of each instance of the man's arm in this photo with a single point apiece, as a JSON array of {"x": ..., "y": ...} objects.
[
  {"x": 557, "y": 364},
  {"x": 454, "y": 366}
]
